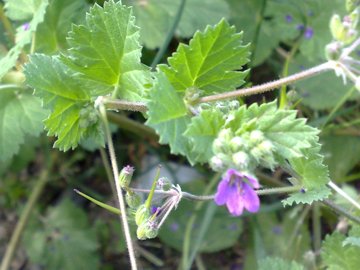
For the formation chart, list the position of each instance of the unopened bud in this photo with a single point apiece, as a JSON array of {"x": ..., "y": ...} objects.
[
  {"x": 333, "y": 50},
  {"x": 236, "y": 144},
  {"x": 241, "y": 160},
  {"x": 133, "y": 200},
  {"x": 164, "y": 183},
  {"x": 125, "y": 176},
  {"x": 141, "y": 232},
  {"x": 256, "y": 136},
  {"x": 147, "y": 230},
  {"x": 266, "y": 146},
  {"x": 142, "y": 214},
  {"x": 216, "y": 163}
]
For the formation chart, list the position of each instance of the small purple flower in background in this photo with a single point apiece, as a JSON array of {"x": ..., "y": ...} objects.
[
  {"x": 26, "y": 26},
  {"x": 288, "y": 18},
  {"x": 309, "y": 32},
  {"x": 300, "y": 27},
  {"x": 238, "y": 193}
]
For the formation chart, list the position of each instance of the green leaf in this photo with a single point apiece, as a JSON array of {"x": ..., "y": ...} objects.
[
  {"x": 60, "y": 15},
  {"x": 106, "y": 50},
  {"x": 308, "y": 197},
  {"x": 156, "y": 16},
  {"x": 202, "y": 131},
  {"x": 65, "y": 94},
  {"x": 168, "y": 115},
  {"x": 64, "y": 240},
  {"x": 211, "y": 62},
  {"x": 20, "y": 115},
  {"x": 338, "y": 257},
  {"x": 289, "y": 135},
  {"x": 36, "y": 9},
  {"x": 21, "y": 10},
  {"x": 310, "y": 167},
  {"x": 273, "y": 263}
]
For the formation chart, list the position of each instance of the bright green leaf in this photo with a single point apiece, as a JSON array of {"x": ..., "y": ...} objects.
[
  {"x": 168, "y": 115},
  {"x": 20, "y": 115},
  {"x": 308, "y": 197},
  {"x": 202, "y": 131},
  {"x": 211, "y": 62},
  {"x": 106, "y": 49}
]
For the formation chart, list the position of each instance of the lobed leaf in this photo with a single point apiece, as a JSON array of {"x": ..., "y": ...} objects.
[{"x": 308, "y": 197}]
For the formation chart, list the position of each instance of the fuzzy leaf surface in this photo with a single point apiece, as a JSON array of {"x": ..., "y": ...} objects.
[
  {"x": 274, "y": 263},
  {"x": 308, "y": 197},
  {"x": 20, "y": 115},
  {"x": 106, "y": 49},
  {"x": 211, "y": 62}
]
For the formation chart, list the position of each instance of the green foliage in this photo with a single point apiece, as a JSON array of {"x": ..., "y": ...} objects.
[
  {"x": 20, "y": 115},
  {"x": 155, "y": 17},
  {"x": 336, "y": 256},
  {"x": 64, "y": 240},
  {"x": 308, "y": 196},
  {"x": 202, "y": 132},
  {"x": 210, "y": 63},
  {"x": 69, "y": 84},
  {"x": 273, "y": 263},
  {"x": 60, "y": 15}
]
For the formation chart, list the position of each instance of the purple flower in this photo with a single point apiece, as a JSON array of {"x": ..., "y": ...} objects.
[
  {"x": 26, "y": 26},
  {"x": 300, "y": 27},
  {"x": 309, "y": 32},
  {"x": 236, "y": 191}
]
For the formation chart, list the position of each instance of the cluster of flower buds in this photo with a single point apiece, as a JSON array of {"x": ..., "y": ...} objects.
[
  {"x": 343, "y": 30},
  {"x": 88, "y": 116},
  {"x": 244, "y": 152}
]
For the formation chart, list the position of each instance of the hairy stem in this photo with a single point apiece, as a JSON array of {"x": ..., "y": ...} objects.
[
  {"x": 344, "y": 194},
  {"x": 339, "y": 210},
  {"x": 120, "y": 195},
  {"x": 15, "y": 237},
  {"x": 119, "y": 104},
  {"x": 108, "y": 171},
  {"x": 258, "y": 89}
]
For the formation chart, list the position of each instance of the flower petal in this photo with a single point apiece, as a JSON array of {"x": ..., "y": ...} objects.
[
  {"x": 223, "y": 192},
  {"x": 253, "y": 181},
  {"x": 250, "y": 199},
  {"x": 235, "y": 203}
]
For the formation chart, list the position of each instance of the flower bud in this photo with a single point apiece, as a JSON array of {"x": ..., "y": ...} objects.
[
  {"x": 141, "y": 232},
  {"x": 164, "y": 183},
  {"x": 125, "y": 176},
  {"x": 241, "y": 160},
  {"x": 333, "y": 50},
  {"x": 236, "y": 144},
  {"x": 147, "y": 230},
  {"x": 266, "y": 147},
  {"x": 133, "y": 200},
  {"x": 216, "y": 163},
  {"x": 142, "y": 214},
  {"x": 256, "y": 137}
]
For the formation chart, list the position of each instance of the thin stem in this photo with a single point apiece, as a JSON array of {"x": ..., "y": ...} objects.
[
  {"x": 258, "y": 89},
  {"x": 15, "y": 237},
  {"x": 153, "y": 186},
  {"x": 350, "y": 49},
  {"x": 33, "y": 43},
  {"x": 316, "y": 218},
  {"x": 118, "y": 188},
  {"x": 343, "y": 194},
  {"x": 338, "y": 209},
  {"x": 285, "y": 73},
  {"x": 107, "y": 167},
  {"x": 169, "y": 35},
  {"x": 133, "y": 126},
  {"x": 119, "y": 104}
]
